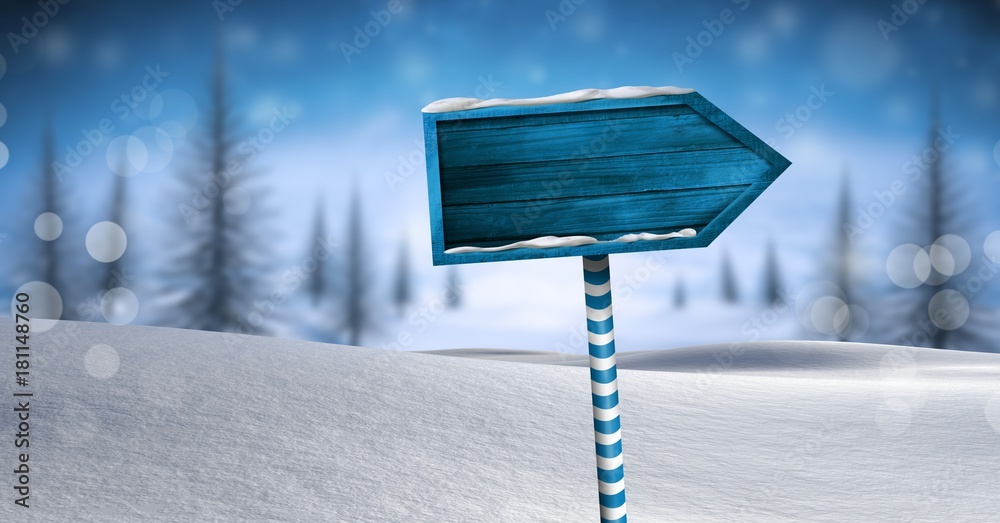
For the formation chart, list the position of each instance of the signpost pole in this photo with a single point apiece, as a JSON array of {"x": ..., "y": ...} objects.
[{"x": 604, "y": 389}]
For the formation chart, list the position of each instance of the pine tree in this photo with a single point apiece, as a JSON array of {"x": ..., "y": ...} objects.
[
  {"x": 357, "y": 318},
  {"x": 772, "y": 277},
  {"x": 844, "y": 254},
  {"x": 943, "y": 209},
  {"x": 935, "y": 225},
  {"x": 730, "y": 291},
  {"x": 220, "y": 263},
  {"x": 47, "y": 264},
  {"x": 318, "y": 281},
  {"x": 401, "y": 293},
  {"x": 453, "y": 289},
  {"x": 50, "y": 253},
  {"x": 114, "y": 274},
  {"x": 680, "y": 293}
]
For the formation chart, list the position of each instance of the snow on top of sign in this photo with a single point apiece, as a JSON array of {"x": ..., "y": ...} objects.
[
  {"x": 548, "y": 242},
  {"x": 462, "y": 104}
]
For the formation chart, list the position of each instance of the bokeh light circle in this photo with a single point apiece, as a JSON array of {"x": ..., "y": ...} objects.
[
  {"x": 948, "y": 309},
  {"x": 3, "y": 114},
  {"x": 157, "y": 149},
  {"x": 101, "y": 361},
  {"x": 950, "y": 254},
  {"x": 4, "y": 155},
  {"x": 176, "y": 132},
  {"x": 991, "y": 247},
  {"x": 119, "y": 306},
  {"x": 44, "y": 302},
  {"x": 48, "y": 226},
  {"x": 126, "y": 155},
  {"x": 106, "y": 242},
  {"x": 808, "y": 295},
  {"x": 908, "y": 266},
  {"x": 941, "y": 259},
  {"x": 996, "y": 153},
  {"x": 822, "y": 315},
  {"x": 851, "y": 322}
]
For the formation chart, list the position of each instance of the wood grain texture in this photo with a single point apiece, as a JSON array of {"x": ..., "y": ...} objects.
[
  {"x": 602, "y": 176},
  {"x": 650, "y": 132},
  {"x": 601, "y": 168},
  {"x": 604, "y": 217}
]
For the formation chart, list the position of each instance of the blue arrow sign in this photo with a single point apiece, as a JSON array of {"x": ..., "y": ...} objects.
[
  {"x": 588, "y": 177},
  {"x": 527, "y": 179}
]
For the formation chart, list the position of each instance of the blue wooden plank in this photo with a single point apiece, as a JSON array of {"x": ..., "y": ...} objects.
[
  {"x": 602, "y": 176},
  {"x": 601, "y": 217},
  {"x": 650, "y": 133},
  {"x": 547, "y": 119}
]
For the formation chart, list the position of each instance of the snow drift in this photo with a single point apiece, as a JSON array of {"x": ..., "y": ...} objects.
[{"x": 169, "y": 425}]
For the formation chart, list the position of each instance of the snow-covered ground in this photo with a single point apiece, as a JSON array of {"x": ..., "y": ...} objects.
[{"x": 152, "y": 424}]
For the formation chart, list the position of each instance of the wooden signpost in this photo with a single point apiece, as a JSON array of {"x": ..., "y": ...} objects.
[{"x": 589, "y": 173}]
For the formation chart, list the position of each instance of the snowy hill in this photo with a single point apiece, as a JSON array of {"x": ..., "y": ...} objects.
[{"x": 152, "y": 424}]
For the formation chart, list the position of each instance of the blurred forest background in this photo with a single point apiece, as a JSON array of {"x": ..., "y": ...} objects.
[{"x": 258, "y": 168}]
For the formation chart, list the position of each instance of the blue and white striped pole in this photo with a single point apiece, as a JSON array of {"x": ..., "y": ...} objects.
[{"x": 604, "y": 389}]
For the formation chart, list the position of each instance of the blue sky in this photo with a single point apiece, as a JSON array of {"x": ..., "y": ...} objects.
[{"x": 356, "y": 120}]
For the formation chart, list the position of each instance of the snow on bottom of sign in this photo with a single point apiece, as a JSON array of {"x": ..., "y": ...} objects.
[
  {"x": 461, "y": 104},
  {"x": 548, "y": 242}
]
